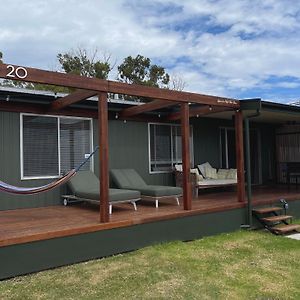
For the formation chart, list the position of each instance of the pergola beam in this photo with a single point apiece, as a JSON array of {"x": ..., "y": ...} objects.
[
  {"x": 75, "y": 97},
  {"x": 199, "y": 111},
  {"x": 69, "y": 80},
  {"x": 150, "y": 106}
]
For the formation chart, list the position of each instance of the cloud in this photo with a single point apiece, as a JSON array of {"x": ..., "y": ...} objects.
[{"x": 221, "y": 47}]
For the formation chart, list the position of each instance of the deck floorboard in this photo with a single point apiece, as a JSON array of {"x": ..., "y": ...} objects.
[{"x": 27, "y": 225}]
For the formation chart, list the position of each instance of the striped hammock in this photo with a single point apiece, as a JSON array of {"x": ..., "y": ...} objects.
[{"x": 4, "y": 187}]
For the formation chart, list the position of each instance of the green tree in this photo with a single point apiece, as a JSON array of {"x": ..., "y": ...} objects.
[
  {"x": 79, "y": 62},
  {"x": 139, "y": 70}
]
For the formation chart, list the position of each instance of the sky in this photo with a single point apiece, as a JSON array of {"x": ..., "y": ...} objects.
[{"x": 232, "y": 48}]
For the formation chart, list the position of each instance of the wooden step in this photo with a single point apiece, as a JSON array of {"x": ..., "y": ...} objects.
[
  {"x": 286, "y": 228},
  {"x": 266, "y": 210},
  {"x": 277, "y": 218}
]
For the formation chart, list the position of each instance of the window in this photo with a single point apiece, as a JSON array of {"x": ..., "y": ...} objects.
[
  {"x": 165, "y": 147},
  {"x": 51, "y": 146}
]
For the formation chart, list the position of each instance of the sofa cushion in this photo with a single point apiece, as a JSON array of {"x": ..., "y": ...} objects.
[
  {"x": 222, "y": 173},
  {"x": 178, "y": 167},
  {"x": 202, "y": 168},
  {"x": 211, "y": 173},
  {"x": 195, "y": 171},
  {"x": 232, "y": 174}
]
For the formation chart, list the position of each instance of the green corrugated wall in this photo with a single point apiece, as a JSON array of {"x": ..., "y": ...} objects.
[{"x": 128, "y": 148}]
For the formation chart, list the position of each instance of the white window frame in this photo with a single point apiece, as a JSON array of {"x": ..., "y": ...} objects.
[
  {"x": 149, "y": 146},
  {"x": 58, "y": 117}
]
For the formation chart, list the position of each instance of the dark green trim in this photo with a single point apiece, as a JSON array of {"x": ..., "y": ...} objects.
[
  {"x": 36, "y": 256},
  {"x": 250, "y": 104}
]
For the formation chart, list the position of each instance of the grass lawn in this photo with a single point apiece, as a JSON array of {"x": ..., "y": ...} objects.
[{"x": 239, "y": 265}]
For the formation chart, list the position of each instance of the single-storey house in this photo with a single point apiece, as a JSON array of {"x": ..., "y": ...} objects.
[{"x": 43, "y": 135}]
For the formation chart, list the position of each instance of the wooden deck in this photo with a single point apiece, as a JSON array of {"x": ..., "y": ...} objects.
[{"x": 27, "y": 225}]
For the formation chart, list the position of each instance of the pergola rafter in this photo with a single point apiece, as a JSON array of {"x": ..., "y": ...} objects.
[
  {"x": 199, "y": 111},
  {"x": 149, "y": 106},
  {"x": 75, "y": 97}
]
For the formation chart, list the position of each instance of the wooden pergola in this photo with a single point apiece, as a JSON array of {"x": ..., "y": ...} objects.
[{"x": 160, "y": 98}]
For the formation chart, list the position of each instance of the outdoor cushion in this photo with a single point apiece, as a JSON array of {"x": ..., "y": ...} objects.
[
  {"x": 127, "y": 179},
  {"x": 198, "y": 176},
  {"x": 232, "y": 174},
  {"x": 85, "y": 184},
  {"x": 211, "y": 173},
  {"x": 178, "y": 168},
  {"x": 160, "y": 190},
  {"x": 202, "y": 168},
  {"x": 195, "y": 171},
  {"x": 130, "y": 179},
  {"x": 218, "y": 182},
  {"x": 222, "y": 173}
]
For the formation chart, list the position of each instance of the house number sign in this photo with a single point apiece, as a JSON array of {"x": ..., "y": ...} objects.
[{"x": 19, "y": 72}]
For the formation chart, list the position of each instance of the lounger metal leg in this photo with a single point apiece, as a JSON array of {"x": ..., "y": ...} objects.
[
  {"x": 134, "y": 205},
  {"x": 110, "y": 209},
  {"x": 156, "y": 203},
  {"x": 177, "y": 200}
]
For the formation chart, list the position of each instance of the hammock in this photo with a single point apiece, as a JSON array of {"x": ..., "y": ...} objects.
[{"x": 4, "y": 187}]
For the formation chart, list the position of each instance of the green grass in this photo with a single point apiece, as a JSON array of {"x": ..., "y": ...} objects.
[{"x": 239, "y": 265}]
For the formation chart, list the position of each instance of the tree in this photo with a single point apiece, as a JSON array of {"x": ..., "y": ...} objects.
[
  {"x": 177, "y": 83},
  {"x": 139, "y": 70},
  {"x": 80, "y": 62},
  {"x": 1, "y": 55}
]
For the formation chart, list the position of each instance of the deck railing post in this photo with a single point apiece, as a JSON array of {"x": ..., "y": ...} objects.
[
  {"x": 103, "y": 157},
  {"x": 240, "y": 156},
  {"x": 186, "y": 161}
]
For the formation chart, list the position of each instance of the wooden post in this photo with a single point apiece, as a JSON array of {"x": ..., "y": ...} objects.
[
  {"x": 186, "y": 161},
  {"x": 103, "y": 157},
  {"x": 240, "y": 156}
]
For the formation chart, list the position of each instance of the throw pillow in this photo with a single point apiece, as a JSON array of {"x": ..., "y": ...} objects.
[
  {"x": 232, "y": 174},
  {"x": 178, "y": 168},
  {"x": 211, "y": 173},
  {"x": 202, "y": 168},
  {"x": 222, "y": 173},
  {"x": 195, "y": 171}
]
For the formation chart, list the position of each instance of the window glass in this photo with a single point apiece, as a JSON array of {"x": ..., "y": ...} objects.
[
  {"x": 165, "y": 147},
  {"x": 54, "y": 145},
  {"x": 40, "y": 148}
]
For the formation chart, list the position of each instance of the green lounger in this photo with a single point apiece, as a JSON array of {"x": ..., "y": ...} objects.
[
  {"x": 130, "y": 179},
  {"x": 85, "y": 187}
]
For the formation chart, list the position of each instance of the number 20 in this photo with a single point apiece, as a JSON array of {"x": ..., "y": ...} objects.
[{"x": 19, "y": 72}]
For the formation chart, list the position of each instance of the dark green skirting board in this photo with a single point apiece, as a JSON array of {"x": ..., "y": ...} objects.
[{"x": 36, "y": 256}]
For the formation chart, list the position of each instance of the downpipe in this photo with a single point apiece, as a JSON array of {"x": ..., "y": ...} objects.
[{"x": 248, "y": 167}]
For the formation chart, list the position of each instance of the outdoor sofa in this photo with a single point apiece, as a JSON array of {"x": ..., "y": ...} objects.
[
  {"x": 205, "y": 176},
  {"x": 85, "y": 187},
  {"x": 130, "y": 179}
]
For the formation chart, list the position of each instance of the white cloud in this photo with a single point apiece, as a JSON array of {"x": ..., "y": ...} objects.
[{"x": 230, "y": 47}]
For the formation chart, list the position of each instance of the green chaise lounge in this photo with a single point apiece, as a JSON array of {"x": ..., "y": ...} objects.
[
  {"x": 130, "y": 179},
  {"x": 85, "y": 187}
]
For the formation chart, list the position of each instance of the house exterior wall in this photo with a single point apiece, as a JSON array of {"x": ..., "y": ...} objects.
[{"x": 128, "y": 148}]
